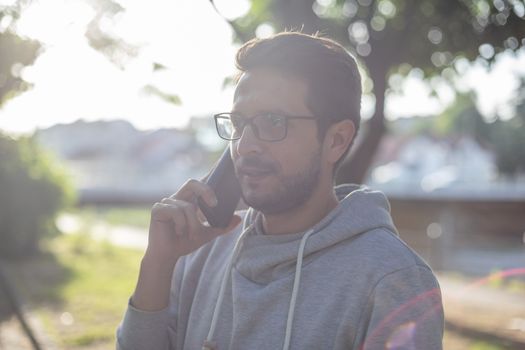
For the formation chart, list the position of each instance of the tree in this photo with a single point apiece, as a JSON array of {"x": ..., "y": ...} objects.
[
  {"x": 393, "y": 36},
  {"x": 33, "y": 189},
  {"x": 504, "y": 137},
  {"x": 16, "y": 52},
  {"x": 508, "y": 141}
]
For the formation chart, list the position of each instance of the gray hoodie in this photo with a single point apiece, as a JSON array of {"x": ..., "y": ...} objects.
[{"x": 347, "y": 283}]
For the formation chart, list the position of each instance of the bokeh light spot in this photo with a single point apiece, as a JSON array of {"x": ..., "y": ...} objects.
[
  {"x": 435, "y": 35},
  {"x": 434, "y": 230}
]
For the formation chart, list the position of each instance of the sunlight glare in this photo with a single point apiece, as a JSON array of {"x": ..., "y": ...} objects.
[
  {"x": 74, "y": 81},
  {"x": 497, "y": 87},
  {"x": 402, "y": 337},
  {"x": 414, "y": 99},
  {"x": 7, "y": 3},
  {"x": 232, "y": 9},
  {"x": 51, "y": 21}
]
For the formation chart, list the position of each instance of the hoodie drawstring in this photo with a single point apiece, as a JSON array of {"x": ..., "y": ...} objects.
[
  {"x": 291, "y": 309},
  {"x": 208, "y": 343}
]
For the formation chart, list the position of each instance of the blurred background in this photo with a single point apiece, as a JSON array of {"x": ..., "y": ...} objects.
[{"x": 106, "y": 105}]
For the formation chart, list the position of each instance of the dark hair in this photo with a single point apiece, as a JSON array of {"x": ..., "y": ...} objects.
[{"x": 330, "y": 72}]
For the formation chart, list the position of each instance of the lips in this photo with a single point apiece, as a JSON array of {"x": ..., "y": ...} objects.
[
  {"x": 253, "y": 171},
  {"x": 253, "y": 167}
]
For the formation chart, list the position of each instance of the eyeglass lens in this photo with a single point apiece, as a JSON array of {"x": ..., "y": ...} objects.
[{"x": 265, "y": 127}]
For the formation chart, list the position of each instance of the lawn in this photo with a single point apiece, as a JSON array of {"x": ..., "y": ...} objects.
[
  {"x": 78, "y": 289},
  {"x": 118, "y": 216}
]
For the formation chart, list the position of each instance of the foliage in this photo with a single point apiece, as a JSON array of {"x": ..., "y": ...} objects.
[
  {"x": 392, "y": 36},
  {"x": 32, "y": 190},
  {"x": 99, "y": 32},
  {"x": 508, "y": 141},
  {"x": 16, "y": 52},
  {"x": 506, "y": 138},
  {"x": 155, "y": 91}
]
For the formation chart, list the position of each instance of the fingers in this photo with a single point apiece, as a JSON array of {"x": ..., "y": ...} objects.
[
  {"x": 170, "y": 214},
  {"x": 175, "y": 229},
  {"x": 183, "y": 216},
  {"x": 188, "y": 222},
  {"x": 193, "y": 189}
]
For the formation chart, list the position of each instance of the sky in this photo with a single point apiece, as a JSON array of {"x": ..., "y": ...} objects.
[{"x": 73, "y": 81}]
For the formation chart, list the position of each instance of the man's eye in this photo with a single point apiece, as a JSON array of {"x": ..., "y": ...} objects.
[{"x": 275, "y": 120}]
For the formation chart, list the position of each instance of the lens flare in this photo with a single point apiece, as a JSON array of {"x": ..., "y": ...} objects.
[{"x": 402, "y": 337}]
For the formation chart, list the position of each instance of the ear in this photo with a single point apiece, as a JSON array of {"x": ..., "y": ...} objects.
[{"x": 337, "y": 139}]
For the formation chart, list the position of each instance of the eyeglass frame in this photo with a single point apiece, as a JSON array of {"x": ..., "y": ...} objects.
[{"x": 249, "y": 121}]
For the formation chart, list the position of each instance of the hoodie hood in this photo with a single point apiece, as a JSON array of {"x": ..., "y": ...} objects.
[{"x": 263, "y": 258}]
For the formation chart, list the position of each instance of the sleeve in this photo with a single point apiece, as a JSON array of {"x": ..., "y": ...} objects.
[
  {"x": 142, "y": 330},
  {"x": 404, "y": 312},
  {"x": 145, "y": 330}
]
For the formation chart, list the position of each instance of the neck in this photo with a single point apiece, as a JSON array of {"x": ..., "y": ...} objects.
[{"x": 303, "y": 217}]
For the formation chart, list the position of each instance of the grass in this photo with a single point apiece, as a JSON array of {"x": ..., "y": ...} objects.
[
  {"x": 79, "y": 287},
  {"x": 497, "y": 280},
  {"x": 119, "y": 216},
  {"x": 83, "y": 302}
]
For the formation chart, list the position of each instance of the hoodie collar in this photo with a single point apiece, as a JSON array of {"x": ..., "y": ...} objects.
[{"x": 264, "y": 258}]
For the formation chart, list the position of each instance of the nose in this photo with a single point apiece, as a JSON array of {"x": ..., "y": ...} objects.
[{"x": 248, "y": 142}]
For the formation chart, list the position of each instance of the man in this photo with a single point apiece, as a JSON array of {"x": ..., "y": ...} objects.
[{"x": 310, "y": 267}]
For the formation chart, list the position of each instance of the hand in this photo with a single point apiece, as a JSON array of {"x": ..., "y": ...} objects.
[
  {"x": 177, "y": 225},
  {"x": 176, "y": 228}
]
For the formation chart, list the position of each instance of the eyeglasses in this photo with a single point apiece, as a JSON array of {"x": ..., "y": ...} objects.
[{"x": 270, "y": 127}]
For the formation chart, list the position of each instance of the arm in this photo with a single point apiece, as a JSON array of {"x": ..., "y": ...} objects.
[
  {"x": 175, "y": 230},
  {"x": 404, "y": 312},
  {"x": 142, "y": 329}
]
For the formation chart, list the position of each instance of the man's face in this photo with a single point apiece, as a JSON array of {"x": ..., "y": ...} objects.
[{"x": 276, "y": 176}]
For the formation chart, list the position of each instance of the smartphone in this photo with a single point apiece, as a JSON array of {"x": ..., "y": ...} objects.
[{"x": 223, "y": 181}]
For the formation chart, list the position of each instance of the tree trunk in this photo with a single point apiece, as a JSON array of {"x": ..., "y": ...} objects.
[{"x": 355, "y": 168}]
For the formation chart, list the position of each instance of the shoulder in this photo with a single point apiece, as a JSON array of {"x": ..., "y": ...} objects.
[
  {"x": 375, "y": 259},
  {"x": 387, "y": 250}
]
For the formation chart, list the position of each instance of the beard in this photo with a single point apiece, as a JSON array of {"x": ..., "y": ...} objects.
[{"x": 290, "y": 192}]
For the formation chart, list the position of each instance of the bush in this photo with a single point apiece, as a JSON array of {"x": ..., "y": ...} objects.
[{"x": 32, "y": 190}]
